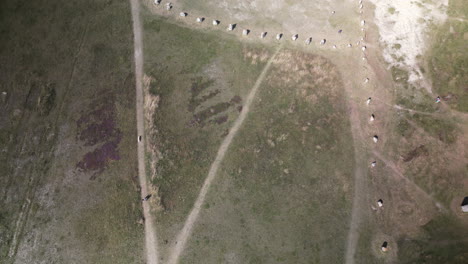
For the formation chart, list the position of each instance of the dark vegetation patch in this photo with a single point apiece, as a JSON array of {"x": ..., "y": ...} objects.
[
  {"x": 220, "y": 120},
  {"x": 194, "y": 102},
  {"x": 201, "y": 117},
  {"x": 399, "y": 75},
  {"x": 404, "y": 128},
  {"x": 198, "y": 86},
  {"x": 236, "y": 100},
  {"x": 97, "y": 160},
  {"x": 99, "y": 127},
  {"x": 200, "y": 93},
  {"x": 418, "y": 151}
]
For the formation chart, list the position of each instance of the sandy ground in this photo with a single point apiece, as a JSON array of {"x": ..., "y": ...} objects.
[
  {"x": 150, "y": 233},
  {"x": 403, "y": 26},
  {"x": 305, "y": 18}
]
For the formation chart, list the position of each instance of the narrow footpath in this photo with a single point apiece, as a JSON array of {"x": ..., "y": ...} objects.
[{"x": 150, "y": 234}]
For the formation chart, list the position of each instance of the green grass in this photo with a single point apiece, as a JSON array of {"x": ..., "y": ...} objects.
[
  {"x": 448, "y": 62},
  {"x": 458, "y": 8},
  {"x": 364, "y": 250},
  {"x": 198, "y": 76},
  {"x": 443, "y": 129},
  {"x": 42, "y": 42},
  {"x": 110, "y": 227},
  {"x": 429, "y": 168},
  {"x": 280, "y": 196},
  {"x": 443, "y": 241},
  {"x": 409, "y": 96},
  {"x": 202, "y": 79},
  {"x": 428, "y": 145},
  {"x": 404, "y": 128}
]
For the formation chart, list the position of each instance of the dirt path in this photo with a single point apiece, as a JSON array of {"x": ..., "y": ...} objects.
[
  {"x": 361, "y": 185},
  {"x": 189, "y": 223},
  {"x": 304, "y": 30},
  {"x": 399, "y": 107},
  {"x": 458, "y": 19},
  {"x": 150, "y": 234},
  {"x": 360, "y": 175}
]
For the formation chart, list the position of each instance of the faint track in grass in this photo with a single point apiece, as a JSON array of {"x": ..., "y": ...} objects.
[
  {"x": 186, "y": 231},
  {"x": 150, "y": 233},
  {"x": 360, "y": 175},
  {"x": 459, "y": 19},
  {"x": 32, "y": 182},
  {"x": 400, "y": 175},
  {"x": 72, "y": 73}
]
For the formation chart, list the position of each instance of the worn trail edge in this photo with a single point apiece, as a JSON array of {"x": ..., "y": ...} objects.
[
  {"x": 189, "y": 223},
  {"x": 150, "y": 235},
  {"x": 360, "y": 175}
]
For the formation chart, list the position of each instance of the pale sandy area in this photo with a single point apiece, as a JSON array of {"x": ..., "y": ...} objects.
[{"x": 404, "y": 26}]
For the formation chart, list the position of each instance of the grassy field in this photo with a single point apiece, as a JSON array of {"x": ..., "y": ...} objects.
[
  {"x": 201, "y": 80},
  {"x": 280, "y": 169},
  {"x": 448, "y": 59},
  {"x": 272, "y": 202},
  {"x": 433, "y": 143},
  {"x": 67, "y": 133},
  {"x": 442, "y": 241},
  {"x": 423, "y": 221},
  {"x": 281, "y": 197},
  {"x": 283, "y": 194},
  {"x": 428, "y": 149},
  {"x": 408, "y": 96}
]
